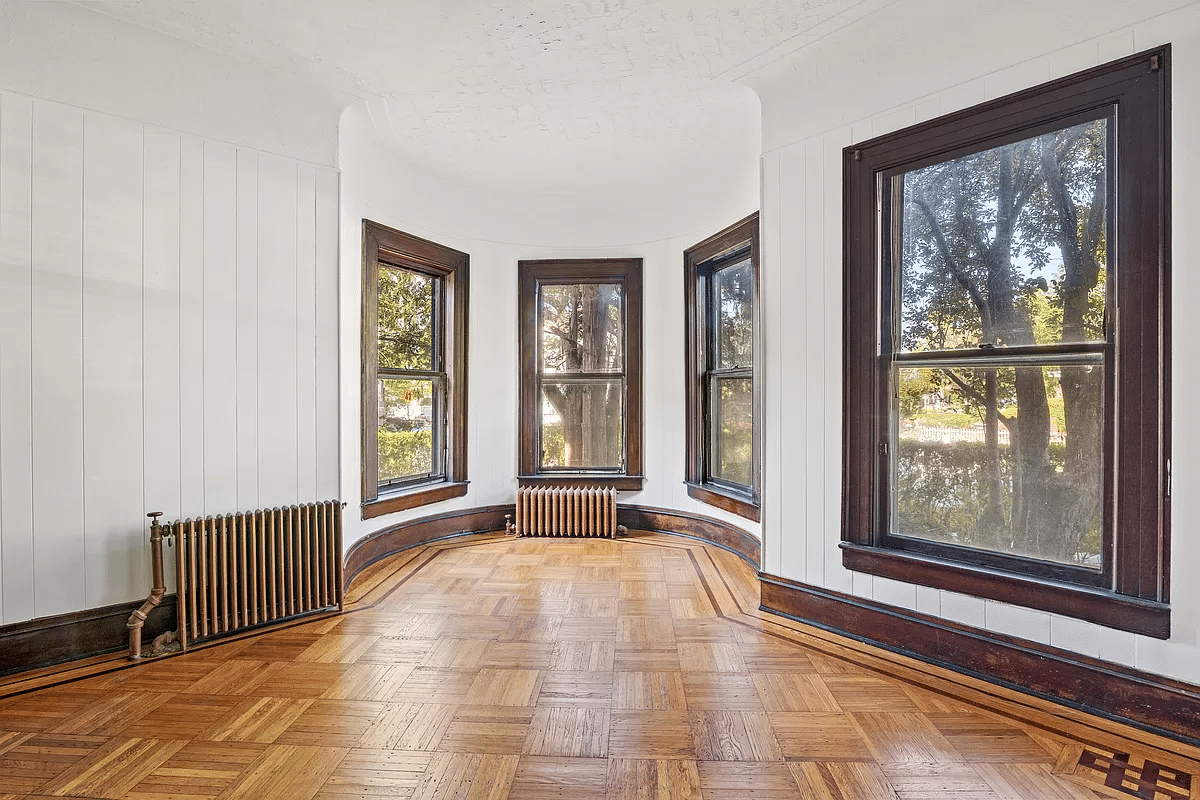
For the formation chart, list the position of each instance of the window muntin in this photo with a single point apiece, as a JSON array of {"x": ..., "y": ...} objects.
[
  {"x": 720, "y": 276},
  {"x": 581, "y": 383},
  {"x": 414, "y": 371},
  {"x": 987, "y": 255}
]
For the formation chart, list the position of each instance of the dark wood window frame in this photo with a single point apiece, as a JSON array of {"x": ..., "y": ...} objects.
[
  {"x": 532, "y": 274},
  {"x": 452, "y": 269},
  {"x": 1136, "y": 92},
  {"x": 700, "y": 262}
]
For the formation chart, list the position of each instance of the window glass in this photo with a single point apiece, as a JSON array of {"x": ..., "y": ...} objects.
[
  {"x": 733, "y": 294},
  {"x": 732, "y": 408},
  {"x": 961, "y": 477},
  {"x": 406, "y": 321},
  {"x": 1008, "y": 246},
  {"x": 409, "y": 413},
  {"x": 582, "y": 424},
  {"x": 582, "y": 327}
]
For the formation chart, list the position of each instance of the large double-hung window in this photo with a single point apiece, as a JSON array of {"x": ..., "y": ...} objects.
[{"x": 1006, "y": 349}]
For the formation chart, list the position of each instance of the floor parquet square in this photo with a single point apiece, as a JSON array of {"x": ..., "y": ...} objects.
[
  {"x": 657, "y": 779},
  {"x": 577, "y": 689},
  {"x": 733, "y": 736},
  {"x": 583, "y": 655},
  {"x": 375, "y": 773},
  {"x": 408, "y": 726},
  {"x": 818, "y": 737},
  {"x": 749, "y": 781},
  {"x": 651, "y": 734},
  {"x": 571, "y": 732},
  {"x": 559, "y": 778},
  {"x": 649, "y": 691},
  {"x": 490, "y": 729}
]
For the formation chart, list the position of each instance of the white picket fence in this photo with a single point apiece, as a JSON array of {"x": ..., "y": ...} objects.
[{"x": 948, "y": 435}]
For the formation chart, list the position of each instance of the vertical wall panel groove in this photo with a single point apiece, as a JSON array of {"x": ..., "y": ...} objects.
[
  {"x": 114, "y": 540},
  {"x": 57, "y": 216},
  {"x": 306, "y": 335},
  {"x": 191, "y": 328},
  {"x": 160, "y": 330},
  {"x": 220, "y": 328},
  {"x": 16, "y": 358},
  {"x": 326, "y": 249},
  {"x": 277, "y": 451},
  {"x": 247, "y": 330},
  {"x": 816, "y": 353}
]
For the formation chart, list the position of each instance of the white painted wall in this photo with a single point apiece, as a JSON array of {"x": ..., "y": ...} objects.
[
  {"x": 910, "y": 62},
  {"x": 379, "y": 185},
  {"x": 167, "y": 342},
  {"x": 65, "y": 52}
]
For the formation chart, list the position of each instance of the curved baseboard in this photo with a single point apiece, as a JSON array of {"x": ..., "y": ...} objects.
[
  {"x": 693, "y": 526},
  {"x": 487, "y": 519},
  {"x": 423, "y": 530}
]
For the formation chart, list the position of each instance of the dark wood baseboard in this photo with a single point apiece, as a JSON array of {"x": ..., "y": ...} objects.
[
  {"x": 489, "y": 519},
  {"x": 1151, "y": 702},
  {"x": 80, "y": 634},
  {"x": 423, "y": 530},
  {"x": 693, "y": 526}
]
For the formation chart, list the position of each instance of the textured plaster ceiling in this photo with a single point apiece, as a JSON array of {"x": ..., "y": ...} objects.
[{"x": 537, "y": 95}]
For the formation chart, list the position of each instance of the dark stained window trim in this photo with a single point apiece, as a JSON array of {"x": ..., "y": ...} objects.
[
  {"x": 1137, "y": 599},
  {"x": 531, "y": 273},
  {"x": 453, "y": 267},
  {"x": 728, "y": 497}
]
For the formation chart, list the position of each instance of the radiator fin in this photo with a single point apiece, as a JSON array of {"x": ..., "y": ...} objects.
[
  {"x": 566, "y": 511},
  {"x": 248, "y": 569}
]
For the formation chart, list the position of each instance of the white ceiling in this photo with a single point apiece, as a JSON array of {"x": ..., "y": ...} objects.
[{"x": 552, "y": 97}]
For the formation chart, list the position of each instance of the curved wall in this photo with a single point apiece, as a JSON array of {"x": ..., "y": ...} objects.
[{"x": 496, "y": 231}]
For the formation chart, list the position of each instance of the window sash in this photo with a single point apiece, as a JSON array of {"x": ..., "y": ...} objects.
[{"x": 437, "y": 421}]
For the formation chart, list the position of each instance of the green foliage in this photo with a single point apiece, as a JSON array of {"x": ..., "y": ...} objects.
[
  {"x": 553, "y": 446},
  {"x": 405, "y": 453},
  {"x": 405, "y": 319}
]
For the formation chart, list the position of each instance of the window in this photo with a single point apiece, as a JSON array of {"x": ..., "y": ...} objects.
[
  {"x": 1006, "y": 385},
  {"x": 414, "y": 371},
  {"x": 720, "y": 285},
  {"x": 581, "y": 372}
]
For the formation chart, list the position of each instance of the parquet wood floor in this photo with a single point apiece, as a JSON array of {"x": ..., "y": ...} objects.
[{"x": 530, "y": 669}]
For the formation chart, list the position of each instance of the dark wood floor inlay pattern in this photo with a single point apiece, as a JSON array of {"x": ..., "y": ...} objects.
[{"x": 1138, "y": 777}]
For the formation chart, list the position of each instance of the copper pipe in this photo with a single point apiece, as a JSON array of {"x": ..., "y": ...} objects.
[{"x": 138, "y": 618}]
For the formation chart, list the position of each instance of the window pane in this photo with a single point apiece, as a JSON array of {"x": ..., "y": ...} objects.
[
  {"x": 1006, "y": 247},
  {"x": 583, "y": 423},
  {"x": 408, "y": 415},
  {"x": 582, "y": 328},
  {"x": 733, "y": 293},
  {"x": 405, "y": 319},
  {"x": 732, "y": 430},
  {"x": 1006, "y": 459}
]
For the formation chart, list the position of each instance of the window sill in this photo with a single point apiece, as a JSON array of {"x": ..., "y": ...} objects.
[
  {"x": 724, "y": 499},
  {"x": 624, "y": 483},
  {"x": 412, "y": 497},
  {"x": 1092, "y": 605}
]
